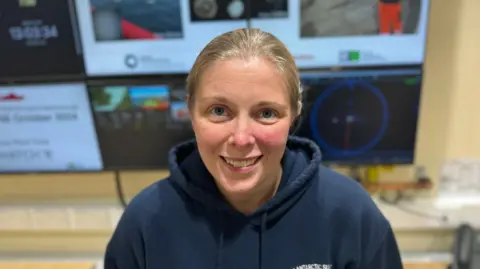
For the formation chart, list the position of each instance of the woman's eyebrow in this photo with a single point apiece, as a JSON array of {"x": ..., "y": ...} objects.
[
  {"x": 272, "y": 104},
  {"x": 216, "y": 98},
  {"x": 223, "y": 99}
]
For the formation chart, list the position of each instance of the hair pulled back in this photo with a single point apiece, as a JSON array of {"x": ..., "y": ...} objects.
[{"x": 248, "y": 43}]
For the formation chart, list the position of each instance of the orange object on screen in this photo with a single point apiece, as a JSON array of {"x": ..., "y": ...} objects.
[{"x": 390, "y": 18}]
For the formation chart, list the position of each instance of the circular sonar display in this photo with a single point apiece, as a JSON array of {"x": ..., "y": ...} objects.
[{"x": 349, "y": 117}]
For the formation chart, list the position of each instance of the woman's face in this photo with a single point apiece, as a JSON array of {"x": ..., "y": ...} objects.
[{"x": 241, "y": 117}]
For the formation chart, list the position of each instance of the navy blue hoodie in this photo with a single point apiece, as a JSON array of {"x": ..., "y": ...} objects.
[{"x": 317, "y": 219}]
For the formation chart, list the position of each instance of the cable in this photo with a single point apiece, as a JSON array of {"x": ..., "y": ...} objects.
[
  {"x": 441, "y": 218},
  {"x": 248, "y": 13},
  {"x": 119, "y": 189}
]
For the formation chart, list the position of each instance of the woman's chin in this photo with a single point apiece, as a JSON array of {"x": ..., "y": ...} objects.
[{"x": 236, "y": 185}]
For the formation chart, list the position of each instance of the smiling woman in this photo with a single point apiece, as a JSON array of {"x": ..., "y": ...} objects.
[
  {"x": 245, "y": 194},
  {"x": 241, "y": 118}
]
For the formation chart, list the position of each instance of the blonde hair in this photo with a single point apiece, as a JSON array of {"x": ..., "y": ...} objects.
[{"x": 247, "y": 43}]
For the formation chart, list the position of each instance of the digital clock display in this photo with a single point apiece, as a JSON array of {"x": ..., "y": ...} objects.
[
  {"x": 28, "y": 32},
  {"x": 34, "y": 33},
  {"x": 38, "y": 40}
]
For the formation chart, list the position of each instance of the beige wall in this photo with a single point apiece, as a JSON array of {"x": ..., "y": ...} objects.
[
  {"x": 464, "y": 131},
  {"x": 448, "y": 124}
]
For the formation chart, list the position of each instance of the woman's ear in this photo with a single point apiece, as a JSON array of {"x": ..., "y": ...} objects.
[
  {"x": 300, "y": 107},
  {"x": 297, "y": 121},
  {"x": 294, "y": 120}
]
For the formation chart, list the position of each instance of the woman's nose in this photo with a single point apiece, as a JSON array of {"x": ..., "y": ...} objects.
[{"x": 242, "y": 135}]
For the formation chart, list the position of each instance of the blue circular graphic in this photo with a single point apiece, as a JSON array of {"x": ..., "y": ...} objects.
[{"x": 325, "y": 94}]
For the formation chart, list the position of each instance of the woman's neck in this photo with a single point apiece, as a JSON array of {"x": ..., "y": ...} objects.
[{"x": 247, "y": 204}]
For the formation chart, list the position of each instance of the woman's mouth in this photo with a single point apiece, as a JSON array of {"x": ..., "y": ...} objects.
[{"x": 241, "y": 163}]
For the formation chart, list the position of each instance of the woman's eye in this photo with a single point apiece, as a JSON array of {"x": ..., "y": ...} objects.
[
  {"x": 218, "y": 111},
  {"x": 267, "y": 114}
]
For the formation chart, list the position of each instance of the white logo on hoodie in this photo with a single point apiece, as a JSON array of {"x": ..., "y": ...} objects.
[{"x": 314, "y": 266}]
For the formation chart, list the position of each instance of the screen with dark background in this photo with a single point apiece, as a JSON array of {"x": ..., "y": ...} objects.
[
  {"x": 209, "y": 10},
  {"x": 138, "y": 123},
  {"x": 37, "y": 39},
  {"x": 362, "y": 116}
]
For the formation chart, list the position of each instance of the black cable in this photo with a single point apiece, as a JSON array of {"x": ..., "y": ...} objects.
[
  {"x": 248, "y": 13},
  {"x": 119, "y": 189}
]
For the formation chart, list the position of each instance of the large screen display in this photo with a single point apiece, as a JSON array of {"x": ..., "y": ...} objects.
[
  {"x": 138, "y": 123},
  {"x": 366, "y": 117},
  {"x": 323, "y": 33},
  {"x": 151, "y": 36},
  {"x": 46, "y": 128},
  {"x": 38, "y": 38}
]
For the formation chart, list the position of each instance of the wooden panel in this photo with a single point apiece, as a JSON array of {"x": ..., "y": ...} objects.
[
  {"x": 134, "y": 182},
  {"x": 57, "y": 187},
  {"x": 46, "y": 265},
  {"x": 425, "y": 266},
  {"x": 92, "y": 187},
  {"x": 54, "y": 242}
]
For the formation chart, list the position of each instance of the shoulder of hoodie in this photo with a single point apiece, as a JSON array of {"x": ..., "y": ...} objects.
[{"x": 343, "y": 200}]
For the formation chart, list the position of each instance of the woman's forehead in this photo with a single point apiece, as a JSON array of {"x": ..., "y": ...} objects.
[{"x": 238, "y": 78}]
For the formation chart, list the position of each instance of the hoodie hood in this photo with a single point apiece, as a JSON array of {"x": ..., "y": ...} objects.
[{"x": 300, "y": 163}]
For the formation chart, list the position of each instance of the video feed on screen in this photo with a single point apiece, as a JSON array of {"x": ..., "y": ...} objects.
[
  {"x": 146, "y": 37},
  {"x": 363, "y": 117},
  {"x": 32, "y": 33},
  {"x": 137, "y": 20},
  {"x": 352, "y": 33},
  {"x": 47, "y": 128},
  {"x": 137, "y": 124},
  {"x": 208, "y": 10},
  {"x": 360, "y": 17},
  {"x": 218, "y": 10},
  {"x": 268, "y": 9}
]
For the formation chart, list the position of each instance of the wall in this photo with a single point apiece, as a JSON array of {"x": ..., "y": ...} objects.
[
  {"x": 448, "y": 128},
  {"x": 464, "y": 132}
]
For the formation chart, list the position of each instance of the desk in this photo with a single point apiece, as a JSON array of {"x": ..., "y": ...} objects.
[{"x": 401, "y": 219}]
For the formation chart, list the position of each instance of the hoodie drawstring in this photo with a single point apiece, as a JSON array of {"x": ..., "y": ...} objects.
[
  {"x": 218, "y": 262},
  {"x": 263, "y": 227}
]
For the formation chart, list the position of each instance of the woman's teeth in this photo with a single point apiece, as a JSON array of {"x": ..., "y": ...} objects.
[{"x": 238, "y": 164}]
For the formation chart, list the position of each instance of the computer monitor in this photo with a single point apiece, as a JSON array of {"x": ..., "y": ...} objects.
[
  {"x": 38, "y": 41},
  {"x": 324, "y": 34},
  {"x": 132, "y": 37},
  {"x": 47, "y": 128},
  {"x": 362, "y": 117},
  {"x": 139, "y": 121}
]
